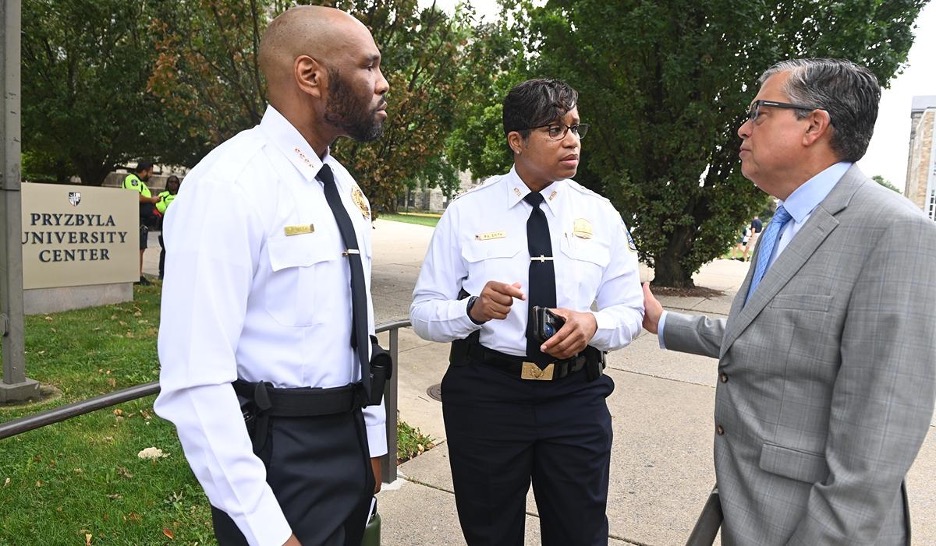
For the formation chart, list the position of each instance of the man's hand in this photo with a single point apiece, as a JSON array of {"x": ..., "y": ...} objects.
[
  {"x": 574, "y": 335},
  {"x": 292, "y": 541},
  {"x": 495, "y": 300},
  {"x": 653, "y": 310},
  {"x": 378, "y": 473}
]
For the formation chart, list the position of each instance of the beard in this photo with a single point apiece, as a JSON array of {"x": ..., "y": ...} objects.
[{"x": 351, "y": 112}]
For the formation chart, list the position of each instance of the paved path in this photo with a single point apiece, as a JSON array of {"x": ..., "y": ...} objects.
[{"x": 661, "y": 407}]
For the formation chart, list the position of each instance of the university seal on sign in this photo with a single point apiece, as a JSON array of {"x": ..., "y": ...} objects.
[{"x": 74, "y": 197}]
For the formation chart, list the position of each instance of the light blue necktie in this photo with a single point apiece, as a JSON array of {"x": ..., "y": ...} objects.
[{"x": 768, "y": 244}]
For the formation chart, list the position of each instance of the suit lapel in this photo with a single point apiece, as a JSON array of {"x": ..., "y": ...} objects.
[{"x": 820, "y": 224}]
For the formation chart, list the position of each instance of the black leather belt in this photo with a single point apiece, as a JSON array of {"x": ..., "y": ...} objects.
[
  {"x": 520, "y": 367},
  {"x": 300, "y": 402}
]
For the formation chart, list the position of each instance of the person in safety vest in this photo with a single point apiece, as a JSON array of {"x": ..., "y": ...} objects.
[
  {"x": 165, "y": 199},
  {"x": 137, "y": 181}
]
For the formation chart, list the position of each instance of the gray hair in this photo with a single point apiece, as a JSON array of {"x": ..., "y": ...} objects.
[{"x": 848, "y": 92}]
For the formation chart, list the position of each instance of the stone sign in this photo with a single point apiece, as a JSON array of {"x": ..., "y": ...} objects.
[{"x": 79, "y": 236}]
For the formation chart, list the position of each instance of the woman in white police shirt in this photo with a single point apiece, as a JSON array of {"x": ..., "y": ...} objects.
[{"x": 514, "y": 415}]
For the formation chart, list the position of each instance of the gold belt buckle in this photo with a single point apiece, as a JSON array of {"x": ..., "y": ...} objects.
[{"x": 531, "y": 371}]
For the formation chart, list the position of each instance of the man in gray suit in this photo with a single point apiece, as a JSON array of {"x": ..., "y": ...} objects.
[{"x": 827, "y": 367}]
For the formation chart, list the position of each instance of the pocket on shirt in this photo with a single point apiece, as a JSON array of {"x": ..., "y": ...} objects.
[
  {"x": 589, "y": 258},
  {"x": 490, "y": 259},
  {"x": 289, "y": 294}
]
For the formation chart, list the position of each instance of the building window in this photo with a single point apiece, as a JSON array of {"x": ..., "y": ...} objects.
[{"x": 931, "y": 205}]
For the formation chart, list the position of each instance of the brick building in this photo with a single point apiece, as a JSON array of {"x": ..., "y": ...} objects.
[{"x": 921, "y": 163}]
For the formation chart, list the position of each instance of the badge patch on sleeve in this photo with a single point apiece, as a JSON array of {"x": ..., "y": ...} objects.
[{"x": 630, "y": 240}]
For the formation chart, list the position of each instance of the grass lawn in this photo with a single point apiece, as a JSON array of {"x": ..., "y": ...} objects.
[
  {"x": 423, "y": 219},
  {"x": 81, "y": 482}
]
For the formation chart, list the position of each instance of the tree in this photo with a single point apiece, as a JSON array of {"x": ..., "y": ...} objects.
[
  {"x": 882, "y": 181},
  {"x": 206, "y": 73},
  {"x": 665, "y": 84},
  {"x": 477, "y": 142},
  {"x": 84, "y": 71},
  {"x": 208, "y": 68}
]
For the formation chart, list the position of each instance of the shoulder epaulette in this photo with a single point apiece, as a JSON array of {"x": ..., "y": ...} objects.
[
  {"x": 585, "y": 191},
  {"x": 486, "y": 184}
]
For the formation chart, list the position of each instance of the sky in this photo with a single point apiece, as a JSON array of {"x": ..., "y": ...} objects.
[
  {"x": 890, "y": 145},
  {"x": 887, "y": 153}
]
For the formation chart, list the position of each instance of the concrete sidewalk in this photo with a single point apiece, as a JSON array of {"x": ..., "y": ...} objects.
[{"x": 662, "y": 406}]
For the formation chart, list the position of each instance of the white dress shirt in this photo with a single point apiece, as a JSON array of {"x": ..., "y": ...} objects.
[
  {"x": 257, "y": 288},
  {"x": 483, "y": 237}
]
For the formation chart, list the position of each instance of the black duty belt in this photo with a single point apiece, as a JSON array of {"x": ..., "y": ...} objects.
[
  {"x": 300, "y": 402},
  {"x": 518, "y": 366}
]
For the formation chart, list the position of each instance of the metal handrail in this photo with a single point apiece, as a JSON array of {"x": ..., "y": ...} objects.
[{"x": 82, "y": 407}]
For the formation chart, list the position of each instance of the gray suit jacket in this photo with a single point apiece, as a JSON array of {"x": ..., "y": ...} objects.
[{"x": 827, "y": 376}]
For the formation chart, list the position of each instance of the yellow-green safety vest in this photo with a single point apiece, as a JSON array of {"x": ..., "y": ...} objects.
[
  {"x": 165, "y": 199},
  {"x": 133, "y": 182}
]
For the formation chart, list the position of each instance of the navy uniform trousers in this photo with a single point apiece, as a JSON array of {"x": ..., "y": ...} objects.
[
  {"x": 319, "y": 469},
  {"x": 504, "y": 432}
]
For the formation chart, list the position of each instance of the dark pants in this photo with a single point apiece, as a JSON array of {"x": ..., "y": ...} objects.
[
  {"x": 505, "y": 433},
  {"x": 319, "y": 469},
  {"x": 162, "y": 256}
]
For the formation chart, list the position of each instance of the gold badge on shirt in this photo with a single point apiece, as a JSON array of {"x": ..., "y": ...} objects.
[
  {"x": 358, "y": 196},
  {"x": 490, "y": 235},
  {"x": 582, "y": 228}
]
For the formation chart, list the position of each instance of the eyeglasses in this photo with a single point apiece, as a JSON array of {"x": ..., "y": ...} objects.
[
  {"x": 754, "y": 110},
  {"x": 558, "y": 131}
]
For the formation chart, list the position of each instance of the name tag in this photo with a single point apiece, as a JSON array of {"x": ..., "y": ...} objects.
[
  {"x": 491, "y": 235},
  {"x": 299, "y": 230}
]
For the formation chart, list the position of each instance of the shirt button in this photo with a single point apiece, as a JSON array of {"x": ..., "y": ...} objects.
[
  {"x": 723, "y": 377},
  {"x": 720, "y": 430}
]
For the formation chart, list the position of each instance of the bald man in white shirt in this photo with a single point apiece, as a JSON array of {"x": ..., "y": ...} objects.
[{"x": 257, "y": 299}]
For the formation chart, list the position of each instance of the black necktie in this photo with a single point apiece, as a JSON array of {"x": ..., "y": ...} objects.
[
  {"x": 542, "y": 289},
  {"x": 359, "y": 335}
]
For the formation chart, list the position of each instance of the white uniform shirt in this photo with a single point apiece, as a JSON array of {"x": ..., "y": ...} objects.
[
  {"x": 243, "y": 297},
  {"x": 483, "y": 237}
]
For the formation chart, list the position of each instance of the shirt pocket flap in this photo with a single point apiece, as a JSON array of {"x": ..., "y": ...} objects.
[
  {"x": 299, "y": 251},
  {"x": 798, "y": 465},
  {"x": 478, "y": 251}
]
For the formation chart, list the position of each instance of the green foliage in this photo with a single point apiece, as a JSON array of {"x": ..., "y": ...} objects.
[
  {"x": 411, "y": 442},
  {"x": 87, "y": 106},
  {"x": 207, "y": 73},
  {"x": 420, "y": 219},
  {"x": 84, "y": 476},
  {"x": 84, "y": 71},
  {"x": 437, "y": 67},
  {"x": 882, "y": 181},
  {"x": 665, "y": 84},
  {"x": 477, "y": 142}
]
